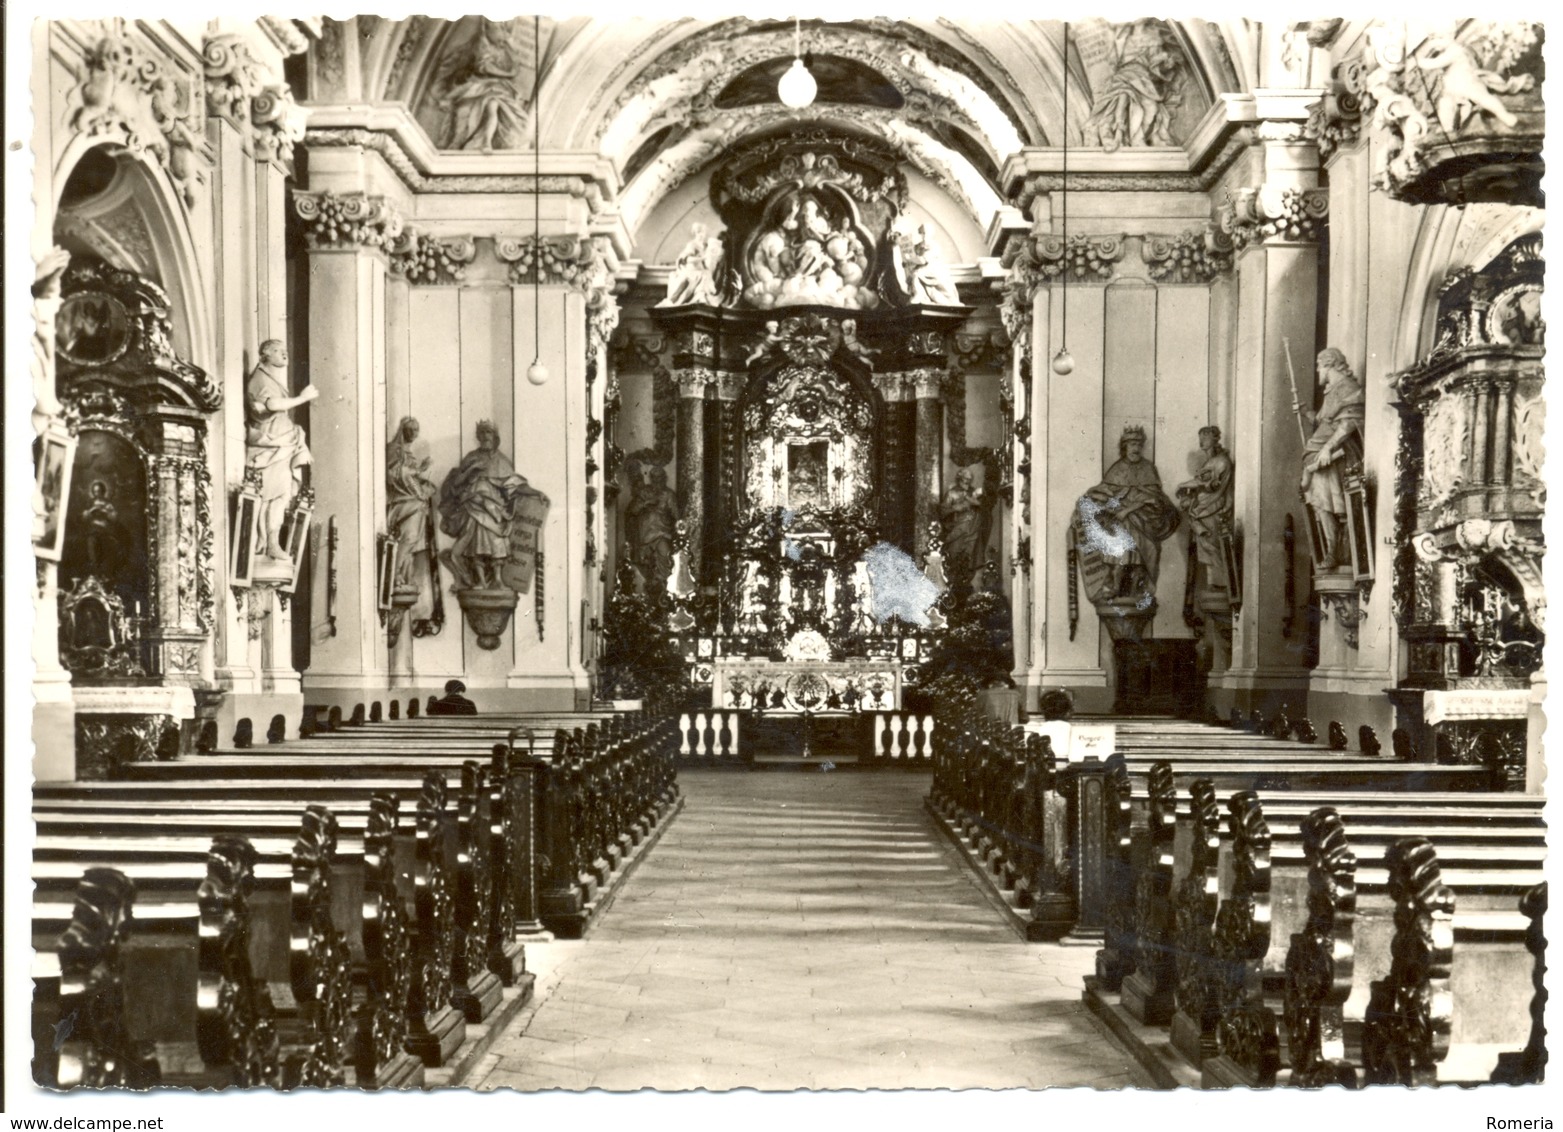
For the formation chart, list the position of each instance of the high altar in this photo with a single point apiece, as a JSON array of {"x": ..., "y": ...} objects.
[{"x": 811, "y": 347}]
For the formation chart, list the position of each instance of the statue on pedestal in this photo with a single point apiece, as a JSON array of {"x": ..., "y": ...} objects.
[
  {"x": 918, "y": 269},
  {"x": 409, "y": 499},
  {"x": 273, "y": 444},
  {"x": 496, "y": 520},
  {"x": 1333, "y": 447},
  {"x": 478, "y": 503},
  {"x": 1116, "y": 534},
  {"x": 697, "y": 273},
  {"x": 1207, "y": 501},
  {"x": 650, "y": 520}
]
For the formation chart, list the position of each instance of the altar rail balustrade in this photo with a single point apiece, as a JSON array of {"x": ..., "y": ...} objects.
[{"x": 441, "y": 888}]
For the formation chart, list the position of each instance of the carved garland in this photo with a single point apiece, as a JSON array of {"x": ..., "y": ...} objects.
[
  {"x": 342, "y": 220},
  {"x": 1195, "y": 255},
  {"x": 1258, "y": 215},
  {"x": 1081, "y": 257},
  {"x": 421, "y": 258}
]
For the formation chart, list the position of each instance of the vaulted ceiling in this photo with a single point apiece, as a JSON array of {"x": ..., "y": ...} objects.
[{"x": 663, "y": 98}]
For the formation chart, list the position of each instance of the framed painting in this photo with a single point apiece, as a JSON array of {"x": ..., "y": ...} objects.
[
  {"x": 56, "y": 459},
  {"x": 385, "y": 573},
  {"x": 242, "y": 538},
  {"x": 1359, "y": 530},
  {"x": 295, "y": 537}
]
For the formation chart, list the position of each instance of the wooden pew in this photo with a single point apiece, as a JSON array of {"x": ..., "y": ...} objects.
[{"x": 1231, "y": 978}]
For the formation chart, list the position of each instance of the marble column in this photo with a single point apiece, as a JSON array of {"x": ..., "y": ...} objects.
[
  {"x": 691, "y": 459},
  {"x": 347, "y": 433},
  {"x": 930, "y": 455}
]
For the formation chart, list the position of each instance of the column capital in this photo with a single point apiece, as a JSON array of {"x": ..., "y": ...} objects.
[
  {"x": 346, "y": 220},
  {"x": 1272, "y": 214},
  {"x": 252, "y": 98},
  {"x": 929, "y": 383},
  {"x": 422, "y": 258},
  {"x": 1195, "y": 255},
  {"x": 893, "y": 385},
  {"x": 692, "y": 382}
]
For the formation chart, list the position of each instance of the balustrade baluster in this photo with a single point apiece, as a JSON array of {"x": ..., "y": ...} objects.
[
  {"x": 1528, "y": 1065},
  {"x": 236, "y": 1027},
  {"x": 436, "y": 1028},
  {"x": 318, "y": 963}
]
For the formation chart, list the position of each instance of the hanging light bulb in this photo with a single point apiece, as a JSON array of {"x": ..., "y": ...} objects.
[
  {"x": 797, "y": 87},
  {"x": 537, "y": 372},
  {"x": 1064, "y": 361}
]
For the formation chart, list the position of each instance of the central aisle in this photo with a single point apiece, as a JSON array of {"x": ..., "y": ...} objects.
[{"x": 805, "y": 930}]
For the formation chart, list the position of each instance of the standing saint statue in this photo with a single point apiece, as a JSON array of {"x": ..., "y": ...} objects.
[
  {"x": 409, "y": 499},
  {"x": 1207, "y": 501},
  {"x": 1117, "y": 532},
  {"x": 273, "y": 444},
  {"x": 650, "y": 521},
  {"x": 964, "y": 511},
  {"x": 478, "y": 504},
  {"x": 1334, "y": 446}
]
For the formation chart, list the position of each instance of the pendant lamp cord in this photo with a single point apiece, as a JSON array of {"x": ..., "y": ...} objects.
[
  {"x": 1063, "y": 198},
  {"x": 537, "y": 191},
  {"x": 797, "y": 37}
]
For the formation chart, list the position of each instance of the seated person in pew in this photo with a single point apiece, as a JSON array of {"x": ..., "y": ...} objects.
[{"x": 453, "y": 703}]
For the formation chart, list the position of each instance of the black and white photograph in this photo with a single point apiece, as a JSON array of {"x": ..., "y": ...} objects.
[{"x": 957, "y": 558}]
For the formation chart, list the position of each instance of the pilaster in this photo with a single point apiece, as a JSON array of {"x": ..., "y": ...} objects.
[
  {"x": 1275, "y": 224},
  {"x": 347, "y": 234}
]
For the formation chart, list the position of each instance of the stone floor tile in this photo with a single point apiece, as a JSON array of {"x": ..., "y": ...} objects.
[{"x": 794, "y": 931}]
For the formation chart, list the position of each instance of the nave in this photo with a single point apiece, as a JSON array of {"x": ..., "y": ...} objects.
[{"x": 804, "y": 931}]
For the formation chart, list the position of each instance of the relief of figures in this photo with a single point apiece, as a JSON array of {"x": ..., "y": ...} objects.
[
  {"x": 1134, "y": 106},
  {"x": 486, "y": 100},
  {"x": 810, "y": 256},
  {"x": 273, "y": 445},
  {"x": 1117, "y": 530},
  {"x": 1333, "y": 447}
]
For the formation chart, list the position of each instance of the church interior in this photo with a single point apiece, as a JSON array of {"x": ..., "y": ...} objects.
[{"x": 789, "y": 503}]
